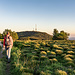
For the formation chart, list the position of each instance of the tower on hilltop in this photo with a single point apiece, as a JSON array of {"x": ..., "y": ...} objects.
[{"x": 35, "y": 27}]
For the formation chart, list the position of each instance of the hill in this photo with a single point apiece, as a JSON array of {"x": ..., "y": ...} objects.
[{"x": 34, "y": 35}]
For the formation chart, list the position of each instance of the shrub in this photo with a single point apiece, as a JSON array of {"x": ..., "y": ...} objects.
[
  {"x": 59, "y": 51},
  {"x": 73, "y": 47},
  {"x": 48, "y": 51},
  {"x": 43, "y": 52},
  {"x": 55, "y": 60},
  {"x": 68, "y": 59},
  {"x": 69, "y": 70},
  {"x": 60, "y": 48},
  {"x": 70, "y": 63},
  {"x": 36, "y": 45},
  {"x": 55, "y": 46},
  {"x": 41, "y": 49},
  {"x": 70, "y": 52},
  {"x": 53, "y": 53},
  {"x": 42, "y": 44},
  {"x": 68, "y": 55},
  {"x": 60, "y": 72},
  {"x": 63, "y": 55},
  {"x": 43, "y": 57},
  {"x": 74, "y": 71},
  {"x": 43, "y": 73}
]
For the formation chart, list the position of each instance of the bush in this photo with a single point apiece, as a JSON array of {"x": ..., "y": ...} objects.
[
  {"x": 53, "y": 53},
  {"x": 74, "y": 71},
  {"x": 43, "y": 53},
  {"x": 70, "y": 63},
  {"x": 68, "y": 59},
  {"x": 55, "y": 46},
  {"x": 69, "y": 70},
  {"x": 68, "y": 55},
  {"x": 60, "y": 72},
  {"x": 70, "y": 52},
  {"x": 59, "y": 51},
  {"x": 43, "y": 57}
]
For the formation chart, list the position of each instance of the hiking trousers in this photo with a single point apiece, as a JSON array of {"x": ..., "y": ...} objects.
[{"x": 8, "y": 52}]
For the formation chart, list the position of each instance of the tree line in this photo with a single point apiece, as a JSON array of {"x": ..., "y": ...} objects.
[
  {"x": 56, "y": 35},
  {"x": 12, "y": 33}
]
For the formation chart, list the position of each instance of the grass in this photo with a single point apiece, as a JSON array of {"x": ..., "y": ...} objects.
[
  {"x": 43, "y": 57},
  {"x": 1, "y": 39},
  {"x": 2, "y": 65},
  {"x": 2, "y": 68}
]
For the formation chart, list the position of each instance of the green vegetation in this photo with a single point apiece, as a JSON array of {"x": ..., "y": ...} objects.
[
  {"x": 1, "y": 36},
  {"x": 12, "y": 33},
  {"x": 43, "y": 57},
  {"x": 34, "y": 35},
  {"x": 60, "y": 36},
  {"x": 2, "y": 65},
  {"x": 1, "y": 39},
  {"x": 2, "y": 68},
  {"x": 37, "y": 54}
]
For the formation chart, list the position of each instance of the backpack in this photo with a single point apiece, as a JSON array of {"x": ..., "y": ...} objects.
[{"x": 7, "y": 41}]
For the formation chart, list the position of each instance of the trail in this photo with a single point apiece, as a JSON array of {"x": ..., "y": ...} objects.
[
  {"x": 7, "y": 70},
  {"x": 1, "y": 55}
]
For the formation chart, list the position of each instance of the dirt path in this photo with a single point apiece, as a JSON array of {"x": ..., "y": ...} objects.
[
  {"x": 7, "y": 70},
  {"x": 1, "y": 55}
]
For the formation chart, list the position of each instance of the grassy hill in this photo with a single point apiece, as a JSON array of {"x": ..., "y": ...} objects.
[{"x": 34, "y": 35}]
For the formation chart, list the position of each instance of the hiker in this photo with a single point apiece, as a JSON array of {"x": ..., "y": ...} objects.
[{"x": 8, "y": 44}]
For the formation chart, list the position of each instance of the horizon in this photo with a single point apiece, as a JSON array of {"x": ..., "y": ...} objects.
[
  {"x": 23, "y": 15},
  {"x": 70, "y": 36}
]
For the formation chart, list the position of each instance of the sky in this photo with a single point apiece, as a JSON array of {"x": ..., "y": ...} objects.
[{"x": 23, "y": 15}]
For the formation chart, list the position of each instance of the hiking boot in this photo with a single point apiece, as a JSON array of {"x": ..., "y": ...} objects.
[
  {"x": 6, "y": 57},
  {"x": 9, "y": 61}
]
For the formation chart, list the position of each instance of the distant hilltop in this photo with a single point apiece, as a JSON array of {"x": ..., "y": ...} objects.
[{"x": 34, "y": 35}]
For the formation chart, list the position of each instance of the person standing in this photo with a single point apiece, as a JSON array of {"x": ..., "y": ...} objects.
[{"x": 8, "y": 44}]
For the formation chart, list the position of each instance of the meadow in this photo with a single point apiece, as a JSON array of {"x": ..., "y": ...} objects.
[{"x": 43, "y": 57}]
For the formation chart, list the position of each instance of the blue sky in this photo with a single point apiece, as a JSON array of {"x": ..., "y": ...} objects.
[{"x": 22, "y": 15}]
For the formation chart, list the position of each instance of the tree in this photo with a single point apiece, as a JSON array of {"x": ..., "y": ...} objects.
[
  {"x": 12, "y": 33},
  {"x": 60, "y": 36},
  {"x": 55, "y": 34},
  {"x": 1, "y": 36},
  {"x": 64, "y": 35}
]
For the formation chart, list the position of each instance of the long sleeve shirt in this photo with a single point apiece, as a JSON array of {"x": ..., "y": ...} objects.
[{"x": 11, "y": 41}]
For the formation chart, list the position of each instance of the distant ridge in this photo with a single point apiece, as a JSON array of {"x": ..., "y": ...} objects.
[
  {"x": 34, "y": 35},
  {"x": 72, "y": 38}
]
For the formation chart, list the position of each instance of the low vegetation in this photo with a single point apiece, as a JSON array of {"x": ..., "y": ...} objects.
[
  {"x": 2, "y": 65},
  {"x": 43, "y": 58}
]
